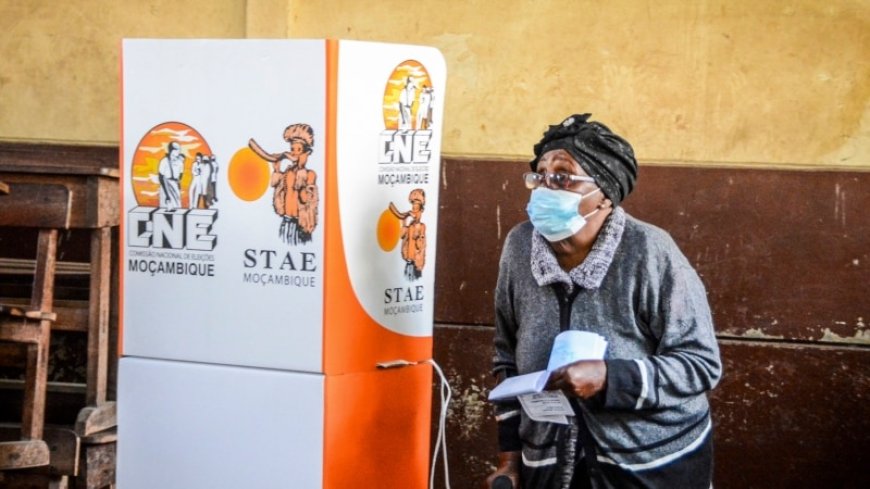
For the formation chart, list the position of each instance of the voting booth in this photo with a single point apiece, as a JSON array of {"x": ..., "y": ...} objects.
[{"x": 280, "y": 203}]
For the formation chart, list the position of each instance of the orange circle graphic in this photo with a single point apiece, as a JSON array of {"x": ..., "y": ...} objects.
[
  {"x": 248, "y": 175},
  {"x": 406, "y": 83},
  {"x": 152, "y": 148},
  {"x": 389, "y": 230}
]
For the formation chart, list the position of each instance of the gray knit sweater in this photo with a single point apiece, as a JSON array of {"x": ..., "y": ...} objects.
[{"x": 640, "y": 293}]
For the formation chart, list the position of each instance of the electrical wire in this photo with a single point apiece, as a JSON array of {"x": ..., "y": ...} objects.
[{"x": 441, "y": 439}]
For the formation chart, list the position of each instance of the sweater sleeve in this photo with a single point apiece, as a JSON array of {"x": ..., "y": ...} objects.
[
  {"x": 507, "y": 414},
  {"x": 686, "y": 361}
]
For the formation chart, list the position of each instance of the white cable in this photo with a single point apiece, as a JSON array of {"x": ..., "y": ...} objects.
[{"x": 441, "y": 439}]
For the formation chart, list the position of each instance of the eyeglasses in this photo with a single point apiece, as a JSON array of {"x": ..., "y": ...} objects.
[{"x": 559, "y": 180}]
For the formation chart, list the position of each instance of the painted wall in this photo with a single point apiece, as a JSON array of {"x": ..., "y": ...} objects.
[
  {"x": 698, "y": 82},
  {"x": 59, "y": 61}
]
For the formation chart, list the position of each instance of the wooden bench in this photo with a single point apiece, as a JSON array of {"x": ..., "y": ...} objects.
[
  {"x": 29, "y": 326},
  {"x": 55, "y": 189}
]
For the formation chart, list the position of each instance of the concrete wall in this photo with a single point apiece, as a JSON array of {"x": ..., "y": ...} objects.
[{"x": 698, "y": 82}]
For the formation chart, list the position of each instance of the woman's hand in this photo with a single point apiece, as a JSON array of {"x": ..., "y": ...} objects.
[
  {"x": 583, "y": 378},
  {"x": 509, "y": 466}
]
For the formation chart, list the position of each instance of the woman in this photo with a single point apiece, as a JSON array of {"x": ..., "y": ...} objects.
[{"x": 641, "y": 415}]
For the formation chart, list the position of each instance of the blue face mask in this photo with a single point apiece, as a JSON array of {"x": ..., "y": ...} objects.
[{"x": 556, "y": 213}]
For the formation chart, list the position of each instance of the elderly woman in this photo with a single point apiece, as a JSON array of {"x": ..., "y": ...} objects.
[{"x": 582, "y": 263}]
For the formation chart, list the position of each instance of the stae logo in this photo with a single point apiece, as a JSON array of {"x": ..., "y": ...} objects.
[
  {"x": 295, "y": 200},
  {"x": 295, "y": 194},
  {"x": 394, "y": 225}
]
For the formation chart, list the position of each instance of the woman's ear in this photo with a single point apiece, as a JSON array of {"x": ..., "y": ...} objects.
[{"x": 605, "y": 203}]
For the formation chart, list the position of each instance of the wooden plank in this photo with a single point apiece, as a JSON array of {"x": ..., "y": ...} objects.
[
  {"x": 19, "y": 312},
  {"x": 97, "y": 469},
  {"x": 98, "y": 322},
  {"x": 74, "y": 246},
  {"x": 21, "y": 331},
  {"x": 58, "y": 482},
  {"x": 59, "y": 387},
  {"x": 18, "y": 266},
  {"x": 11, "y": 355},
  {"x": 64, "y": 447},
  {"x": 70, "y": 315},
  {"x": 76, "y": 186},
  {"x": 23, "y": 454},
  {"x": 93, "y": 201},
  {"x": 36, "y": 373},
  {"x": 104, "y": 205},
  {"x": 64, "y": 400},
  {"x": 94, "y": 419},
  {"x": 59, "y": 159},
  {"x": 29, "y": 480},
  {"x": 101, "y": 437},
  {"x": 35, "y": 205}
]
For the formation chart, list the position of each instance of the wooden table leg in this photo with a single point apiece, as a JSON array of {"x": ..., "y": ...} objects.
[
  {"x": 99, "y": 414},
  {"x": 98, "y": 316},
  {"x": 36, "y": 375}
]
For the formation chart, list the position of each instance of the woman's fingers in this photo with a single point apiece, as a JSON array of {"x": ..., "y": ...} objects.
[{"x": 583, "y": 378}]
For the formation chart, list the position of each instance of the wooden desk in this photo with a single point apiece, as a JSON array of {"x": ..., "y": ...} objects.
[{"x": 88, "y": 177}]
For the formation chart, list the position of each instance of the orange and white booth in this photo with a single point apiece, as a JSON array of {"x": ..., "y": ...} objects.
[{"x": 280, "y": 202}]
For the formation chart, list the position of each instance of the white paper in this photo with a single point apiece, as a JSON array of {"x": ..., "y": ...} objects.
[
  {"x": 548, "y": 407},
  {"x": 568, "y": 347},
  {"x": 571, "y": 346},
  {"x": 521, "y": 384}
]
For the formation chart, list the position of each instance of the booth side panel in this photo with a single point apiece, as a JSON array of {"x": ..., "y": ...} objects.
[
  {"x": 377, "y": 429},
  {"x": 382, "y": 208},
  {"x": 223, "y": 167}
]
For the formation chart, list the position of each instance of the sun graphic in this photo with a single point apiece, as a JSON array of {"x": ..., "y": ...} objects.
[
  {"x": 152, "y": 148},
  {"x": 410, "y": 75},
  {"x": 389, "y": 230},
  {"x": 248, "y": 175}
]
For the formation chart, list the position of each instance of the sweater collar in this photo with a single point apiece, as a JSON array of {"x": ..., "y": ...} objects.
[{"x": 590, "y": 273}]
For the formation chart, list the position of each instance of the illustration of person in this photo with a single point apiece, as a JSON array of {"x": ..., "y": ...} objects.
[
  {"x": 169, "y": 172},
  {"x": 424, "y": 108},
  {"x": 406, "y": 99},
  {"x": 211, "y": 191},
  {"x": 413, "y": 234},
  {"x": 296, "y": 195},
  {"x": 201, "y": 180}
]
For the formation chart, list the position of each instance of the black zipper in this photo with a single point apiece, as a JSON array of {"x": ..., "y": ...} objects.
[{"x": 584, "y": 440}]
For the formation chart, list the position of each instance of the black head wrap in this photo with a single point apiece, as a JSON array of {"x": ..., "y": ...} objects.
[{"x": 606, "y": 157}]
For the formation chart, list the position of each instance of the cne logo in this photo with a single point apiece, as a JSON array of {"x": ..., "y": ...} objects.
[
  {"x": 408, "y": 115},
  {"x": 403, "y": 159},
  {"x": 174, "y": 178}
]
